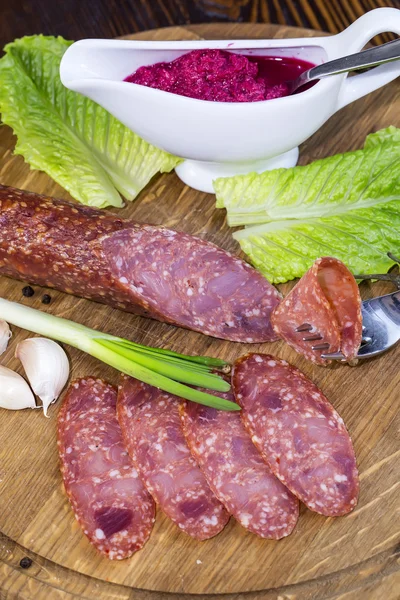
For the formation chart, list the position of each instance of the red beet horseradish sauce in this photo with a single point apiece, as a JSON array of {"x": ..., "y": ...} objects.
[{"x": 222, "y": 76}]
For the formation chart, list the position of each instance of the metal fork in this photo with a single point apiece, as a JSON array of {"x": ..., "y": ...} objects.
[
  {"x": 381, "y": 326},
  {"x": 380, "y": 318}
]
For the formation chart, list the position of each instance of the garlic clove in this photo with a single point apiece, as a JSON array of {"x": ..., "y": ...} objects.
[
  {"x": 46, "y": 366},
  {"x": 15, "y": 393},
  {"x": 5, "y": 334}
]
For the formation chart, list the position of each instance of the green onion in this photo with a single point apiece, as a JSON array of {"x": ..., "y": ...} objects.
[{"x": 164, "y": 369}]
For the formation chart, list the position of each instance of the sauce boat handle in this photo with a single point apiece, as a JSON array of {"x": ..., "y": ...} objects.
[{"x": 352, "y": 40}]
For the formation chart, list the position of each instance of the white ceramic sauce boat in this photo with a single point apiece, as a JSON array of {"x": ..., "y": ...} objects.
[{"x": 219, "y": 138}]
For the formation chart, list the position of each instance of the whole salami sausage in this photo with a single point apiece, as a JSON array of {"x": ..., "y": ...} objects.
[
  {"x": 235, "y": 471},
  {"x": 152, "y": 271},
  {"x": 153, "y": 435},
  {"x": 108, "y": 499},
  {"x": 298, "y": 433},
  {"x": 325, "y": 304}
]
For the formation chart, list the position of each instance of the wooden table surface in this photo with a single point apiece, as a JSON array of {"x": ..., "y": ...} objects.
[{"x": 75, "y": 19}]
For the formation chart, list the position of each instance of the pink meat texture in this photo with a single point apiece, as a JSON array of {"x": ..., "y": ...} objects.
[
  {"x": 298, "y": 432},
  {"x": 109, "y": 501},
  {"x": 236, "y": 472},
  {"x": 328, "y": 299},
  {"x": 152, "y": 271},
  {"x": 153, "y": 436}
]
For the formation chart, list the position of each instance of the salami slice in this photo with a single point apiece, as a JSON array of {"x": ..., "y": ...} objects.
[
  {"x": 327, "y": 299},
  {"x": 153, "y": 435},
  {"x": 298, "y": 432},
  {"x": 152, "y": 271},
  {"x": 235, "y": 471},
  {"x": 108, "y": 499}
]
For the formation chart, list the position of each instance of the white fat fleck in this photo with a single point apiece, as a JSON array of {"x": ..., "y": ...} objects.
[
  {"x": 323, "y": 487},
  {"x": 210, "y": 521},
  {"x": 99, "y": 533},
  {"x": 114, "y": 473},
  {"x": 158, "y": 447},
  {"x": 68, "y": 450},
  {"x": 190, "y": 292},
  {"x": 340, "y": 478},
  {"x": 271, "y": 363},
  {"x": 230, "y": 323},
  {"x": 93, "y": 448},
  {"x": 245, "y": 519},
  {"x": 258, "y": 359},
  {"x": 123, "y": 280}
]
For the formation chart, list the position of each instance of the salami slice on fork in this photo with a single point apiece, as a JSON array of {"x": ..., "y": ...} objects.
[{"x": 322, "y": 313}]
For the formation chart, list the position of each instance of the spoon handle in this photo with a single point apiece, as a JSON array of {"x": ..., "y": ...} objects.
[{"x": 367, "y": 58}]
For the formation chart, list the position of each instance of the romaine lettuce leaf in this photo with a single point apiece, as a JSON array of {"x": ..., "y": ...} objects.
[
  {"x": 347, "y": 206},
  {"x": 75, "y": 141}
]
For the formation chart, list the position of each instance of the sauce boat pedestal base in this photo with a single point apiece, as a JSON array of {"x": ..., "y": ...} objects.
[{"x": 200, "y": 174}]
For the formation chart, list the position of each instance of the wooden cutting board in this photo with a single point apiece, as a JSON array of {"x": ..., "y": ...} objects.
[{"x": 348, "y": 558}]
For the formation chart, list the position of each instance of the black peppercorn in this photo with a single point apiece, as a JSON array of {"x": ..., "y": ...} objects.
[
  {"x": 46, "y": 299},
  {"x": 25, "y": 562},
  {"x": 27, "y": 291}
]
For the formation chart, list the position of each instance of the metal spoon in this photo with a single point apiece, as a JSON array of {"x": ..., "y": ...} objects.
[{"x": 361, "y": 60}]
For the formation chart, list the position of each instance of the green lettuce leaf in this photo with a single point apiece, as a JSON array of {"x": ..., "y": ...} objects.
[
  {"x": 347, "y": 206},
  {"x": 75, "y": 141}
]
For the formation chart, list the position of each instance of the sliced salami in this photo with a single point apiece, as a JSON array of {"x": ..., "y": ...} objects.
[
  {"x": 153, "y": 435},
  {"x": 327, "y": 300},
  {"x": 298, "y": 432},
  {"x": 235, "y": 471},
  {"x": 109, "y": 500},
  {"x": 152, "y": 271}
]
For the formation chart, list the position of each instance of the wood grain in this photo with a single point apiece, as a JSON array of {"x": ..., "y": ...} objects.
[
  {"x": 346, "y": 558},
  {"x": 75, "y": 19}
]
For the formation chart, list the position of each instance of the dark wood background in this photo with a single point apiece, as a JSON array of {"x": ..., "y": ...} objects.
[{"x": 75, "y": 19}]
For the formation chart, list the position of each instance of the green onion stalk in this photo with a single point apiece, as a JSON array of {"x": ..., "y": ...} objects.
[{"x": 164, "y": 369}]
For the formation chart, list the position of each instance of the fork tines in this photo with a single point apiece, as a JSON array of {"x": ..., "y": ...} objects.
[
  {"x": 324, "y": 346},
  {"x": 304, "y": 327}
]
